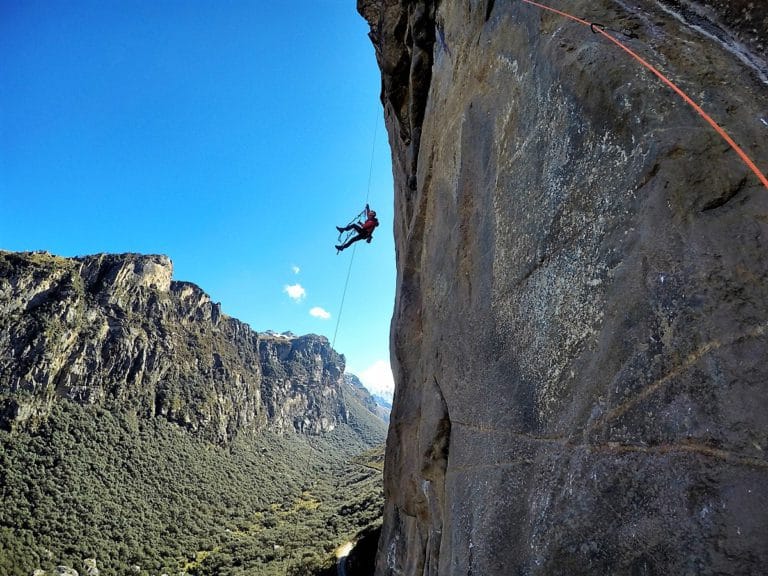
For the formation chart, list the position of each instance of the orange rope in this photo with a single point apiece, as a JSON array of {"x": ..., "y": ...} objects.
[{"x": 595, "y": 28}]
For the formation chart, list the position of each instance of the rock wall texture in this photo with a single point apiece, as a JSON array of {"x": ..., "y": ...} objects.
[
  {"x": 117, "y": 331},
  {"x": 580, "y": 330},
  {"x": 301, "y": 379}
]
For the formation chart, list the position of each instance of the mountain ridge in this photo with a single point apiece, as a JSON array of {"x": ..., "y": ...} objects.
[{"x": 70, "y": 325}]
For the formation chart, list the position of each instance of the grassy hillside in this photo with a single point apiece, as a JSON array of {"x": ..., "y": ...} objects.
[{"x": 144, "y": 497}]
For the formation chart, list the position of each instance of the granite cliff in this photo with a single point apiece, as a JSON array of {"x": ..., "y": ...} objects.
[
  {"x": 579, "y": 334},
  {"x": 118, "y": 332}
]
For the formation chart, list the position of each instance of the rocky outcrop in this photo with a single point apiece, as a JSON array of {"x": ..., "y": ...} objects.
[
  {"x": 580, "y": 326},
  {"x": 89, "y": 569},
  {"x": 117, "y": 331},
  {"x": 301, "y": 378},
  {"x": 737, "y": 25}
]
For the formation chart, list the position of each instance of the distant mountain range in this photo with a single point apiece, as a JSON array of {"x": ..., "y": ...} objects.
[
  {"x": 117, "y": 331},
  {"x": 375, "y": 403},
  {"x": 383, "y": 402}
]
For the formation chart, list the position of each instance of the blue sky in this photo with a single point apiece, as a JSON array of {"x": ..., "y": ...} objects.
[{"x": 230, "y": 135}]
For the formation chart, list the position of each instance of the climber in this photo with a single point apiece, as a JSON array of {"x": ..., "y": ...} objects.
[{"x": 364, "y": 231}]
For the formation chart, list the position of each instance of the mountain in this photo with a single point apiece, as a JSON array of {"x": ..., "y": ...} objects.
[
  {"x": 116, "y": 331},
  {"x": 383, "y": 402},
  {"x": 581, "y": 314},
  {"x": 143, "y": 431},
  {"x": 384, "y": 406},
  {"x": 374, "y": 403}
]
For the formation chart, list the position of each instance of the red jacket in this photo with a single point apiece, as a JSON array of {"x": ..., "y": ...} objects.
[{"x": 369, "y": 225}]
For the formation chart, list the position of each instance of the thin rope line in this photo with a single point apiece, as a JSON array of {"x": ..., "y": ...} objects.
[
  {"x": 343, "y": 296},
  {"x": 373, "y": 149},
  {"x": 596, "y": 28}
]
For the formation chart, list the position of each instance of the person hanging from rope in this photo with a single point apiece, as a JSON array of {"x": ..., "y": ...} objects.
[{"x": 364, "y": 231}]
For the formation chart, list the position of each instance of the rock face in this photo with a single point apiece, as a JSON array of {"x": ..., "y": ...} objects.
[
  {"x": 296, "y": 377},
  {"x": 579, "y": 336},
  {"x": 115, "y": 330}
]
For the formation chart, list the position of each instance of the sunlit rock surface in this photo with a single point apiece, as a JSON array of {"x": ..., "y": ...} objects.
[
  {"x": 116, "y": 330},
  {"x": 579, "y": 338}
]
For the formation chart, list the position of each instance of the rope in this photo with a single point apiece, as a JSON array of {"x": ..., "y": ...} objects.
[
  {"x": 354, "y": 246},
  {"x": 599, "y": 29},
  {"x": 373, "y": 149},
  {"x": 343, "y": 295}
]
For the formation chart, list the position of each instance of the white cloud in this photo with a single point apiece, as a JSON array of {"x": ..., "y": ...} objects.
[
  {"x": 295, "y": 269},
  {"x": 295, "y": 292},
  {"x": 318, "y": 312},
  {"x": 378, "y": 379}
]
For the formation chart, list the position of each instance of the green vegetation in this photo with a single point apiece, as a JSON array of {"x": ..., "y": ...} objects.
[{"x": 143, "y": 493}]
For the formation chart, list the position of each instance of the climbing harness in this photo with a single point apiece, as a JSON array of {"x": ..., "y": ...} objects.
[
  {"x": 354, "y": 246},
  {"x": 602, "y": 30},
  {"x": 346, "y": 235}
]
